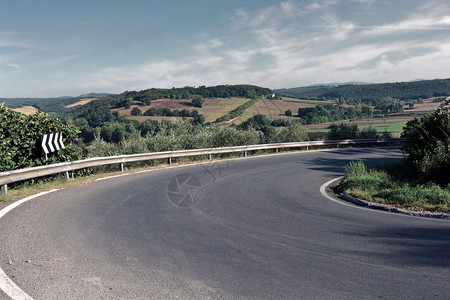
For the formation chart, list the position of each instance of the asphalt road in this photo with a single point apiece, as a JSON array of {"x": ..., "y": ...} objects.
[{"x": 253, "y": 228}]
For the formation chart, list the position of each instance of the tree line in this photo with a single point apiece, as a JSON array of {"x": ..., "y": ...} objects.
[
  {"x": 369, "y": 92},
  {"x": 334, "y": 112}
]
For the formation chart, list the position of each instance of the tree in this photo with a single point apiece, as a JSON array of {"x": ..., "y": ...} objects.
[
  {"x": 292, "y": 133},
  {"x": 428, "y": 144},
  {"x": 198, "y": 101},
  {"x": 288, "y": 113},
  {"x": 118, "y": 134},
  {"x": 136, "y": 111},
  {"x": 342, "y": 132}
]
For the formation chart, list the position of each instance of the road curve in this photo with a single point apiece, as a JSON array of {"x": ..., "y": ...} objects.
[{"x": 240, "y": 229}]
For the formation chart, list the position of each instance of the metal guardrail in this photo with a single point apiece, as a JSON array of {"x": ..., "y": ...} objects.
[{"x": 66, "y": 167}]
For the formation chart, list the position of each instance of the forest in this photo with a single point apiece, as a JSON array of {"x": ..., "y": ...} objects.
[{"x": 369, "y": 92}]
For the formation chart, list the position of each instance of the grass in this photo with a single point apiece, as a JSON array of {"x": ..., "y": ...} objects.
[
  {"x": 273, "y": 109},
  {"x": 215, "y": 108},
  {"x": 388, "y": 127},
  {"x": 29, "y": 188},
  {"x": 393, "y": 186},
  {"x": 211, "y": 110}
]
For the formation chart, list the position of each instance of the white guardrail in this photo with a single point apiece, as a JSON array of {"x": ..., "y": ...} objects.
[{"x": 65, "y": 167}]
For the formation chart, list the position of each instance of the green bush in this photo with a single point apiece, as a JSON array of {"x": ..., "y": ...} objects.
[
  {"x": 289, "y": 134},
  {"x": 428, "y": 144},
  {"x": 20, "y": 140},
  {"x": 198, "y": 101},
  {"x": 136, "y": 111}
]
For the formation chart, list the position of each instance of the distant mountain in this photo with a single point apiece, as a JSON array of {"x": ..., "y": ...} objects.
[
  {"x": 93, "y": 95},
  {"x": 368, "y": 92}
]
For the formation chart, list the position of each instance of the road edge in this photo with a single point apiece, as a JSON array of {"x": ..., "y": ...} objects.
[
  {"x": 327, "y": 188},
  {"x": 6, "y": 284}
]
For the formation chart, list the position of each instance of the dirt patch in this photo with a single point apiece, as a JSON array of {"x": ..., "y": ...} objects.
[{"x": 81, "y": 102}]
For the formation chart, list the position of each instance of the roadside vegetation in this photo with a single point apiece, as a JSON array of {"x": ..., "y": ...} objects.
[
  {"x": 156, "y": 120},
  {"x": 422, "y": 182}
]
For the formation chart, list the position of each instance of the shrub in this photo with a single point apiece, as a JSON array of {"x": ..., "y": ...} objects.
[
  {"x": 342, "y": 132},
  {"x": 292, "y": 133},
  {"x": 136, "y": 111},
  {"x": 428, "y": 144},
  {"x": 20, "y": 142},
  {"x": 198, "y": 101}
]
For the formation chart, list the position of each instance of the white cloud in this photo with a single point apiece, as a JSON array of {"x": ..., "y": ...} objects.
[
  {"x": 316, "y": 5},
  {"x": 16, "y": 66},
  {"x": 291, "y": 43}
]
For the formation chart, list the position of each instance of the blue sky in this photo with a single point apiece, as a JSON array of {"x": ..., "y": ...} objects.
[{"x": 52, "y": 48}]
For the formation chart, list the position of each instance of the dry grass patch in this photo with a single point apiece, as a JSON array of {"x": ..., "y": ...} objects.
[
  {"x": 273, "y": 109},
  {"x": 81, "y": 102},
  {"x": 26, "y": 110},
  {"x": 215, "y": 108}
]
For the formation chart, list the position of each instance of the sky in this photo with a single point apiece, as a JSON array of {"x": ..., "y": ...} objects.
[{"x": 51, "y": 48}]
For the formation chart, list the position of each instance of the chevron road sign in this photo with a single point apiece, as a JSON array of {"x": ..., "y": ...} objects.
[{"x": 51, "y": 142}]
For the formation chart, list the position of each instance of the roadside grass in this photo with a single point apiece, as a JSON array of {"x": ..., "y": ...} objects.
[
  {"x": 31, "y": 187},
  {"x": 394, "y": 185}
]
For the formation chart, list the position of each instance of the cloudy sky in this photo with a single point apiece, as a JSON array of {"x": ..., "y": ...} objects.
[{"x": 54, "y": 48}]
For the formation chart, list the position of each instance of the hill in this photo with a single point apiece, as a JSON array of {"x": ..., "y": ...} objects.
[
  {"x": 370, "y": 92},
  {"x": 51, "y": 104}
]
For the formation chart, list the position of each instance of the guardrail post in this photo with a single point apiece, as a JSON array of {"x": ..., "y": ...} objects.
[
  {"x": 66, "y": 175},
  {"x": 276, "y": 150},
  {"x": 170, "y": 160},
  {"x": 209, "y": 156},
  {"x": 4, "y": 189},
  {"x": 307, "y": 148},
  {"x": 121, "y": 167},
  {"x": 245, "y": 153}
]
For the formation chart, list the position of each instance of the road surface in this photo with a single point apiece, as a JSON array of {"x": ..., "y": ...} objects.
[{"x": 254, "y": 228}]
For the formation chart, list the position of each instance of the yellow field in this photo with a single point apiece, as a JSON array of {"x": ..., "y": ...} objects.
[
  {"x": 215, "y": 108},
  {"x": 273, "y": 109},
  {"x": 81, "y": 102},
  {"x": 211, "y": 110},
  {"x": 26, "y": 110}
]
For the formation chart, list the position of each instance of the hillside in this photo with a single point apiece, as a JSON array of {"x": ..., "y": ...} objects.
[{"x": 369, "y": 92}]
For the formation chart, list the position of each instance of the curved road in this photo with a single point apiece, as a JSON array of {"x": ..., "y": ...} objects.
[{"x": 240, "y": 229}]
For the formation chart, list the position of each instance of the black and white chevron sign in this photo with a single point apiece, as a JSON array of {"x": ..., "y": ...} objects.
[{"x": 51, "y": 142}]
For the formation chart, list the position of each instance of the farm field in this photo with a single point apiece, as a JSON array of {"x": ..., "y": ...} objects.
[
  {"x": 211, "y": 110},
  {"x": 274, "y": 109},
  {"x": 141, "y": 119},
  {"x": 26, "y": 110},
  {"x": 81, "y": 102}
]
